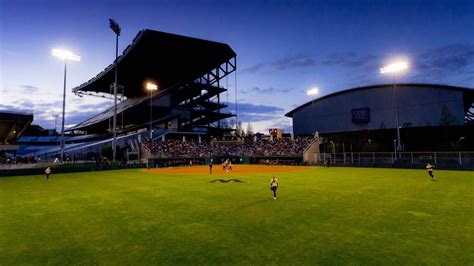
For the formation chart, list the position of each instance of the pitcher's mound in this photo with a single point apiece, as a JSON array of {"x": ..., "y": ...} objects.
[{"x": 237, "y": 169}]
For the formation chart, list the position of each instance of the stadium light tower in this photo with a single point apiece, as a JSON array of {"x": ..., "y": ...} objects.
[
  {"x": 151, "y": 87},
  {"x": 115, "y": 28},
  {"x": 64, "y": 55},
  {"x": 393, "y": 69}
]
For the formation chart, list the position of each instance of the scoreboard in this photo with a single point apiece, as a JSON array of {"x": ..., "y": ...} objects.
[{"x": 276, "y": 133}]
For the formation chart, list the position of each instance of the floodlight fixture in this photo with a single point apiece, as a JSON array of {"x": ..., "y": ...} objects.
[
  {"x": 65, "y": 55},
  {"x": 312, "y": 92},
  {"x": 394, "y": 67},
  {"x": 114, "y": 26},
  {"x": 151, "y": 86}
]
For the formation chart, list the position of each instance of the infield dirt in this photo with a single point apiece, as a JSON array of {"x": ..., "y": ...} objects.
[{"x": 236, "y": 169}]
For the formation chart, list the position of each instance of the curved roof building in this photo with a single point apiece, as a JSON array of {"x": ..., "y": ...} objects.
[{"x": 380, "y": 106}]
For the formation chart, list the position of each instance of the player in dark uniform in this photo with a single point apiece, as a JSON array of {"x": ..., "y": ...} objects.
[{"x": 210, "y": 166}]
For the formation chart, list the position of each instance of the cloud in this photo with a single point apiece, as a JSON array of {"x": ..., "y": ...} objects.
[
  {"x": 449, "y": 64},
  {"x": 284, "y": 124},
  {"x": 14, "y": 108},
  {"x": 253, "y": 69},
  {"x": 287, "y": 63},
  {"x": 449, "y": 60},
  {"x": 248, "y": 112},
  {"x": 255, "y": 108},
  {"x": 297, "y": 61},
  {"x": 24, "y": 104},
  {"x": 44, "y": 111},
  {"x": 348, "y": 60},
  {"x": 266, "y": 90},
  {"x": 29, "y": 88}
]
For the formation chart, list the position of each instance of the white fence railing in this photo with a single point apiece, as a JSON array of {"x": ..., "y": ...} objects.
[{"x": 448, "y": 158}]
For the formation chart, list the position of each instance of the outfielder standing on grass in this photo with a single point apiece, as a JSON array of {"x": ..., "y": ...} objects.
[
  {"x": 210, "y": 166},
  {"x": 274, "y": 187},
  {"x": 429, "y": 168},
  {"x": 47, "y": 172}
]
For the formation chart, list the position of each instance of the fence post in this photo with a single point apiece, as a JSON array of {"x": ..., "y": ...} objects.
[
  {"x": 373, "y": 157},
  {"x": 435, "y": 159},
  {"x": 359, "y": 157},
  {"x": 352, "y": 158},
  {"x": 344, "y": 152},
  {"x": 460, "y": 161},
  {"x": 411, "y": 157}
]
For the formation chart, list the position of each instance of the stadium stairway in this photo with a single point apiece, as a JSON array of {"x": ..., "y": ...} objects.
[{"x": 311, "y": 154}]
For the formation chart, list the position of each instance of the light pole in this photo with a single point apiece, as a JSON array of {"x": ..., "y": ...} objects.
[
  {"x": 115, "y": 28},
  {"x": 394, "y": 69},
  {"x": 312, "y": 93},
  {"x": 64, "y": 55},
  {"x": 395, "y": 148},
  {"x": 151, "y": 87}
]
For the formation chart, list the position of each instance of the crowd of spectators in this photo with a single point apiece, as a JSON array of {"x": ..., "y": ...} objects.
[
  {"x": 18, "y": 160},
  {"x": 192, "y": 148}
]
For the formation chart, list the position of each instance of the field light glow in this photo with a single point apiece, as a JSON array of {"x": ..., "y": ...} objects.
[
  {"x": 395, "y": 67},
  {"x": 312, "y": 92},
  {"x": 151, "y": 86},
  {"x": 66, "y": 55}
]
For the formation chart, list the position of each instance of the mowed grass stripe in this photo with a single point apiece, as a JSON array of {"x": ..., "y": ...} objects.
[{"x": 323, "y": 215}]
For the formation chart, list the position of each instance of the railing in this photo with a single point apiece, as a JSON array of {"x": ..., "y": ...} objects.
[{"x": 406, "y": 158}]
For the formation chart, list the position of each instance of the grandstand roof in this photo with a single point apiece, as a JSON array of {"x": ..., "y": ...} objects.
[
  {"x": 164, "y": 58},
  {"x": 12, "y": 125},
  {"x": 470, "y": 92},
  {"x": 187, "y": 71}
]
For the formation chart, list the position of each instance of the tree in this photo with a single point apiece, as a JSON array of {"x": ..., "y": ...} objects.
[
  {"x": 224, "y": 124},
  {"x": 447, "y": 119},
  {"x": 239, "y": 132},
  {"x": 250, "y": 132}
]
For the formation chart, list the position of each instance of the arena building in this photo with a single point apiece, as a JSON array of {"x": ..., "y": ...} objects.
[
  {"x": 420, "y": 110},
  {"x": 376, "y": 107}
]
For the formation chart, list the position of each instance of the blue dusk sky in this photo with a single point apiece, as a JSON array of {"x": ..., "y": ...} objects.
[{"x": 284, "y": 48}]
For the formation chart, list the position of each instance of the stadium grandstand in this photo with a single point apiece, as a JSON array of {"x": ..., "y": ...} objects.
[
  {"x": 12, "y": 126},
  {"x": 188, "y": 73}
]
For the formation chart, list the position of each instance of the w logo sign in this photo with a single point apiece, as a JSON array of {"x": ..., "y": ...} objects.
[{"x": 360, "y": 115}]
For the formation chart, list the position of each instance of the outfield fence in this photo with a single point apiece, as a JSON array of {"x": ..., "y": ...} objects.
[{"x": 402, "y": 159}]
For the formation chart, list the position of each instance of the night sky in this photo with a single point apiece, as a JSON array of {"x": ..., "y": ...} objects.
[{"x": 284, "y": 48}]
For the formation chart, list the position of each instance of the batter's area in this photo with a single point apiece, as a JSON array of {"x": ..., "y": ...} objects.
[{"x": 236, "y": 169}]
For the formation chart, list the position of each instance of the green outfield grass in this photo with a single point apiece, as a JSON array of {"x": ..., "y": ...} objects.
[{"x": 322, "y": 216}]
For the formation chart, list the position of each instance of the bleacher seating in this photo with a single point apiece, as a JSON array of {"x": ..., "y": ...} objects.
[{"x": 179, "y": 148}]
